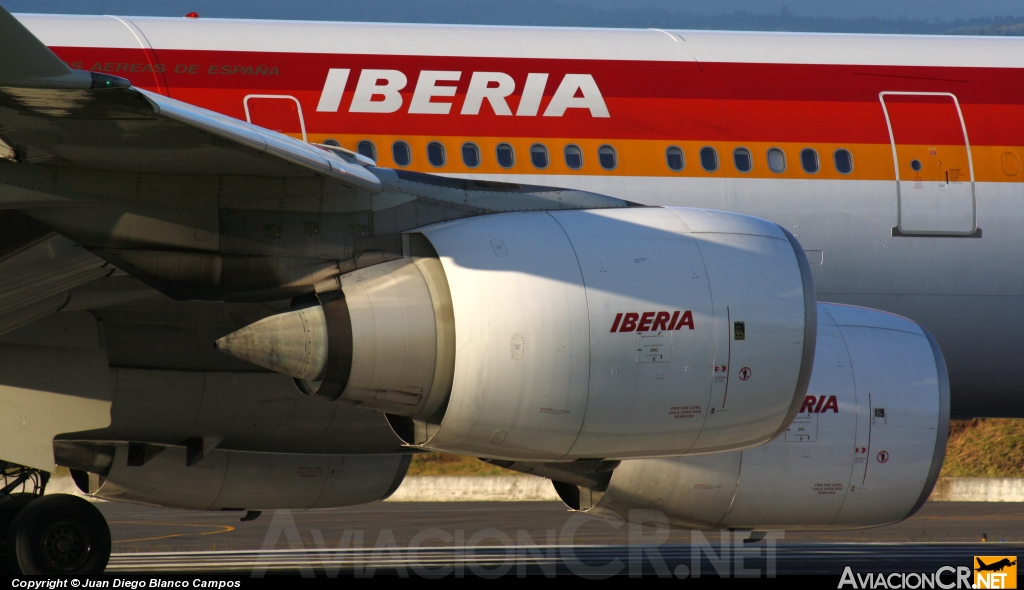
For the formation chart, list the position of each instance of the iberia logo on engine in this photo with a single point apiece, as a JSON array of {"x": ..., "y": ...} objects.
[
  {"x": 819, "y": 405},
  {"x": 651, "y": 321}
]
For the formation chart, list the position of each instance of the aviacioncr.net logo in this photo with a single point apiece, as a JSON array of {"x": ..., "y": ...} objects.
[
  {"x": 946, "y": 577},
  {"x": 995, "y": 571}
]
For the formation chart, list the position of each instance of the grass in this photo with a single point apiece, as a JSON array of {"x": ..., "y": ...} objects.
[
  {"x": 990, "y": 447},
  {"x": 444, "y": 464}
]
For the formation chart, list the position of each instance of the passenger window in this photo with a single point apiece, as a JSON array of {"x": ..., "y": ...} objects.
[
  {"x": 844, "y": 161},
  {"x": 539, "y": 156},
  {"x": 606, "y": 156},
  {"x": 674, "y": 157},
  {"x": 332, "y": 142},
  {"x": 776, "y": 160},
  {"x": 401, "y": 153},
  {"x": 470, "y": 155},
  {"x": 367, "y": 149},
  {"x": 435, "y": 154},
  {"x": 708, "y": 159},
  {"x": 809, "y": 160},
  {"x": 573, "y": 157},
  {"x": 506, "y": 155},
  {"x": 741, "y": 157}
]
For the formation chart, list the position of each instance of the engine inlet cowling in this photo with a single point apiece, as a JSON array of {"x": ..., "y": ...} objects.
[
  {"x": 384, "y": 341},
  {"x": 865, "y": 449},
  {"x": 554, "y": 336}
]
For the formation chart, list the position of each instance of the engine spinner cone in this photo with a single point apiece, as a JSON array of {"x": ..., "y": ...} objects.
[{"x": 293, "y": 343}]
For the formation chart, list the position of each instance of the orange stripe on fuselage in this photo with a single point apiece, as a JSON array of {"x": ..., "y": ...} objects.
[{"x": 647, "y": 157}]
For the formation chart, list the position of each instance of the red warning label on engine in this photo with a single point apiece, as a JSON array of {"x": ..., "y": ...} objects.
[
  {"x": 707, "y": 486},
  {"x": 651, "y": 321}
]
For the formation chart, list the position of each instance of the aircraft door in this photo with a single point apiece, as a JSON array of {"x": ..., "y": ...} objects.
[
  {"x": 276, "y": 112},
  {"x": 934, "y": 171}
]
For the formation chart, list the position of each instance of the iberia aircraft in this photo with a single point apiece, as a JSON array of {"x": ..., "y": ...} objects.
[{"x": 597, "y": 256}]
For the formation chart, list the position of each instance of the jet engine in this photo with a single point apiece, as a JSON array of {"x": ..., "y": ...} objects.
[
  {"x": 559, "y": 335},
  {"x": 226, "y": 480},
  {"x": 864, "y": 450}
]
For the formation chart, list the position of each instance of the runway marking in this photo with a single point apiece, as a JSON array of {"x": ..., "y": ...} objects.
[
  {"x": 223, "y": 529},
  {"x": 977, "y": 518},
  {"x": 821, "y": 558}
]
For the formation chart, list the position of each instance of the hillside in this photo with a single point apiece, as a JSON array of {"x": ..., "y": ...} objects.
[
  {"x": 985, "y": 448},
  {"x": 443, "y": 464},
  {"x": 977, "y": 448}
]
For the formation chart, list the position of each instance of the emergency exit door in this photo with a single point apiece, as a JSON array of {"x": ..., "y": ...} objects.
[
  {"x": 281, "y": 113},
  {"x": 934, "y": 171}
]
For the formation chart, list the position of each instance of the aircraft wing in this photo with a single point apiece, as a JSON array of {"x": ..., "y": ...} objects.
[
  {"x": 51, "y": 113},
  {"x": 100, "y": 180}
]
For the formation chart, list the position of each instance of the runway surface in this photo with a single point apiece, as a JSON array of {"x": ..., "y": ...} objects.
[
  {"x": 591, "y": 560},
  {"x": 534, "y": 537}
]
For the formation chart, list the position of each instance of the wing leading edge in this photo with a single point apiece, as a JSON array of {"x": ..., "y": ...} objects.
[{"x": 200, "y": 205}]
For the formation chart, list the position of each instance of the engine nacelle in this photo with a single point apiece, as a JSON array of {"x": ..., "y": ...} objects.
[
  {"x": 561, "y": 335},
  {"x": 226, "y": 480},
  {"x": 865, "y": 449}
]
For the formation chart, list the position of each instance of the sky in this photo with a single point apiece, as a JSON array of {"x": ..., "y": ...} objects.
[
  {"x": 999, "y": 17},
  {"x": 944, "y": 10},
  {"x": 915, "y": 9}
]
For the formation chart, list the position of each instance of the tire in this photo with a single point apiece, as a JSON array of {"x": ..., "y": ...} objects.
[
  {"x": 10, "y": 507},
  {"x": 60, "y": 535}
]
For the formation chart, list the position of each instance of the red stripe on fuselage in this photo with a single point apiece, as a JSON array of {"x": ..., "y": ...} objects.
[{"x": 646, "y": 100}]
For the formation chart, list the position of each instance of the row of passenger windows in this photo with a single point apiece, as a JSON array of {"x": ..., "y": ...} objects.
[
  {"x": 675, "y": 158},
  {"x": 775, "y": 157},
  {"x": 505, "y": 154}
]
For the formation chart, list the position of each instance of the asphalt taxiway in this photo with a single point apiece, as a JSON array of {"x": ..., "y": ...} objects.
[{"x": 533, "y": 537}]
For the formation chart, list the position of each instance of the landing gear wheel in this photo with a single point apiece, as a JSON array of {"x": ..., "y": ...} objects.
[
  {"x": 60, "y": 535},
  {"x": 10, "y": 507}
]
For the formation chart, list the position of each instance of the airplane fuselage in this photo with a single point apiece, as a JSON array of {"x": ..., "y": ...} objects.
[{"x": 895, "y": 160}]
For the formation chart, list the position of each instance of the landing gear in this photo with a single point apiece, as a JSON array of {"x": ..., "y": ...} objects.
[
  {"x": 10, "y": 507},
  {"x": 48, "y": 535},
  {"x": 59, "y": 535}
]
